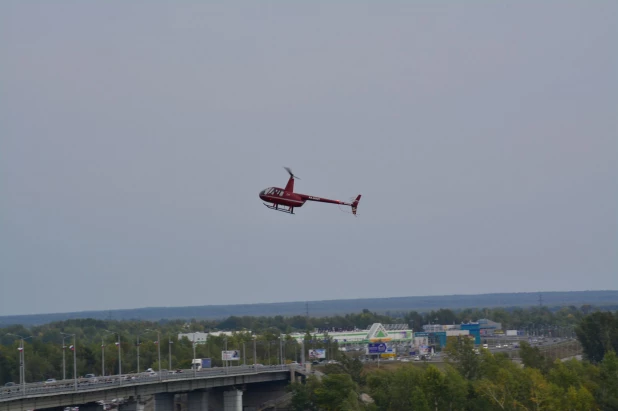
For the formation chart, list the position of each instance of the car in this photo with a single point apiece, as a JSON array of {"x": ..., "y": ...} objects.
[
  {"x": 50, "y": 381},
  {"x": 89, "y": 379}
]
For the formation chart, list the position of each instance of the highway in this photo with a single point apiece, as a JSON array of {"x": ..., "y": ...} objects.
[{"x": 107, "y": 382}]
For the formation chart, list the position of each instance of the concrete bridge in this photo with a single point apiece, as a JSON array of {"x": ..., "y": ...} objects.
[{"x": 241, "y": 388}]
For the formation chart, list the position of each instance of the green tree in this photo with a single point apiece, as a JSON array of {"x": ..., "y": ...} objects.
[
  {"x": 532, "y": 357},
  {"x": 461, "y": 352},
  {"x": 579, "y": 399},
  {"x": 351, "y": 366},
  {"x": 337, "y": 392},
  {"x": 400, "y": 389},
  {"x": 302, "y": 395},
  {"x": 608, "y": 384},
  {"x": 598, "y": 333}
]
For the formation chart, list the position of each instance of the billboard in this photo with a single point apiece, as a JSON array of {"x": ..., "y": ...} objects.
[
  {"x": 318, "y": 353},
  {"x": 377, "y": 348},
  {"x": 230, "y": 355},
  {"x": 206, "y": 363}
]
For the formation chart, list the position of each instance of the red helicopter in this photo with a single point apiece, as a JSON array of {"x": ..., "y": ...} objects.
[{"x": 285, "y": 199}]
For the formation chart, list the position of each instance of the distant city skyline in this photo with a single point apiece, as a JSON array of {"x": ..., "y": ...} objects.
[{"x": 134, "y": 140}]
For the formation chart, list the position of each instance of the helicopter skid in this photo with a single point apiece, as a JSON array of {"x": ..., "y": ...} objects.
[{"x": 282, "y": 208}]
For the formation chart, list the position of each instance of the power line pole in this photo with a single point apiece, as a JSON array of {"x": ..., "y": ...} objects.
[{"x": 540, "y": 300}]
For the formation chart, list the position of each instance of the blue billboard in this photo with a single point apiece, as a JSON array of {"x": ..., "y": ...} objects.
[
  {"x": 206, "y": 363},
  {"x": 376, "y": 348}
]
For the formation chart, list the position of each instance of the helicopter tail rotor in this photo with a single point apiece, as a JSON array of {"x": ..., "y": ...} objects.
[{"x": 355, "y": 204}]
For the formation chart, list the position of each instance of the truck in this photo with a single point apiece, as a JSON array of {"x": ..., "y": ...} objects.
[{"x": 200, "y": 363}]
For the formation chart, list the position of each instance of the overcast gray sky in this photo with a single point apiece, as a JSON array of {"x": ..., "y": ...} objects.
[{"x": 135, "y": 137}]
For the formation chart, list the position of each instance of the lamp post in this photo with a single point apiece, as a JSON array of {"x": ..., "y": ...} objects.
[
  {"x": 138, "y": 369},
  {"x": 255, "y": 352},
  {"x": 21, "y": 364},
  {"x": 169, "y": 346},
  {"x": 158, "y": 347},
  {"x": 119, "y": 356},
  {"x": 64, "y": 366},
  {"x": 73, "y": 348},
  {"x": 22, "y": 361},
  {"x": 193, "y": 365},
  {"x": 226, "y": 362},
  {"x": 102, "y": 357}
]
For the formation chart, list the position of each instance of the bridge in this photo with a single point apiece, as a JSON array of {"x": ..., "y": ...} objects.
[{"x": 238, "y": 388}]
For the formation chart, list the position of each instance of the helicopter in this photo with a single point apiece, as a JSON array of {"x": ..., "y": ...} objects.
[{"x": 285, "y": 199}]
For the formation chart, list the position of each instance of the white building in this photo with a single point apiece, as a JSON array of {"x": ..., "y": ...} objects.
[
  {"x": 197, "y": 337},
  {"x": 202, "y": 338},
  {"x": 226, "y": 333},
  {"x": 375, "y": 333}
]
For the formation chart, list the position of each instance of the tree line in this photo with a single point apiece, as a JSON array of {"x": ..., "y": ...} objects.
[
  {"x": 99, "y": 344},
  {"x": 96, "y": 349}
]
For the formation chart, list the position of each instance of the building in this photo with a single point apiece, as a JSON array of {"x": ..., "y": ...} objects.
[
  {"x": 488, "y": 327},
  {"x": 474, "y": 329},
  {"x": 202, "y": 338},
  {"x": 376, "y": 332},
  {"x": 439, "y": 327},
  {"x": 225, "y": 333},
  {"x": 197, "y": 337}
]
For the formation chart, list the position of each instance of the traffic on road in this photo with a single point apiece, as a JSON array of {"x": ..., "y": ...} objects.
[{"x": 11, "y": 390}]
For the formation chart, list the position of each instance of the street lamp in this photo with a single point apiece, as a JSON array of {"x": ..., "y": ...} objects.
[
  {"x": 102, "y": 357},
  {"x": 169, "y": 347},
  {"x": 22, "y": 361},
  {"x": 119, "y": 356},
  {"x": 137, "y": 345},
  {"x": 254, "y": 337},
  {"x": 193, "y": 365},
  {"x": 73, "y": 348},
  {"x": 226, "y": 362},
  {"x": 64, "y": 366},
  {"x": 158, "y": 347}
]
